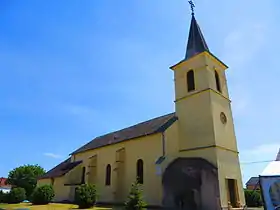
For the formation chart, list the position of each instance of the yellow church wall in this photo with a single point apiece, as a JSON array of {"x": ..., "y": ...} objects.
[
  {"x": 195, "y": 121},
  {"x": 61, "y": 192},
  {"x": 147, "y": 148},
  {"x": 198, "y": 65},
  {"x": 74, "y": 176},
  {"x": 212, "y": 66},
  {"x": 204, "y": 67},
  {"x": 171, "y": 140},
  {"x": 41, "y": 182},
  {"x": 229, "y": 168},
  {"x": 171, "y": 146},
  {"x": 224, "y": 133},
  {"x": 208, "y": 154}
]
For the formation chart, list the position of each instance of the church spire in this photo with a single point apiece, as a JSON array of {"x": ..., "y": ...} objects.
[{"x": 196, "y": 41}]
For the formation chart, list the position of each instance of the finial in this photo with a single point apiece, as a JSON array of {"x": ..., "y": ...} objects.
[{"x": 192, "y": 6}]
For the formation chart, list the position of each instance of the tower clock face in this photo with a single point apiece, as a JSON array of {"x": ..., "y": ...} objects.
[{"x": 223, "y": 118}]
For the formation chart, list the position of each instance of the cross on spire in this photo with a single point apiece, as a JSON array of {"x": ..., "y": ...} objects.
[{"x": 192, "y": 6}]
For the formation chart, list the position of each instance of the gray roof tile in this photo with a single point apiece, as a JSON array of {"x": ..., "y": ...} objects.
[
  {"x": 149, "y": 127},
  {"x": 196, "y": 41},
  {"x": 61, "y": 169}
]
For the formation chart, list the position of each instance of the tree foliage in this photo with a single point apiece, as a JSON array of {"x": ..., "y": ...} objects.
[
  {"x": 135, "y": 199},
  {"x": 85, "y": 196},
  {"x": 25, "y": 177},
  {"x": 16, "y": 195},
  {"x": 3, "y": 197},
  {"x": 253, "y": 198},
  {"x": 42, "y": 195}
]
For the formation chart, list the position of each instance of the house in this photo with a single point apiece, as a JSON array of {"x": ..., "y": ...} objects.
[
  {"x": 270, "y": 184},
  {"x": 3, "y": 186},
  {"x": 189, "y": 156},
  {"x": 273, "y": 168},
  {"x": 253, "y": 183}
]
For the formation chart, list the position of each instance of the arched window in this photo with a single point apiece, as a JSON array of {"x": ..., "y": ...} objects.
[
  {"x": 190, "y": 80},
  {"x": 140, "y": 171},
  {"x": 217, "y": 78},
  {"x": 83, "y": 175},
  {"x": 108, "y": 175}
]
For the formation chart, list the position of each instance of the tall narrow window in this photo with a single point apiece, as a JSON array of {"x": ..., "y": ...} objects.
[
  {"x": 190, "y": 80},
  {"x": 108, "y": 175},
  {"x": 217, "y": 78},
  {"x": 83, "y": 175},
  {"x": 140, "y": 171}
]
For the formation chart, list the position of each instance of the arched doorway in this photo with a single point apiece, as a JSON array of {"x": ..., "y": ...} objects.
[{"x": 191, "y": 184}]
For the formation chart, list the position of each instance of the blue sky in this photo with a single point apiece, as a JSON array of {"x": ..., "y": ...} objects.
[{"x": 73, "y": 70}]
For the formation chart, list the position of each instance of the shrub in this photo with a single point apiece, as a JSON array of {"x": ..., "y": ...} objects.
[
  {"x": 3, "y": 197},
  {"x": 253, "y": 198},
  {"x": 135, "y": 199},
  {"x": 42, "y": 195},
  {"x": 16, "y": 195},
  {"x": 85, "y": 196}
]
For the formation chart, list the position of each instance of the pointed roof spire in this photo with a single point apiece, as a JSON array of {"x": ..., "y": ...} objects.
[
  {"x": 196, "y": 41},
  {"x": 278, "y": 156}
]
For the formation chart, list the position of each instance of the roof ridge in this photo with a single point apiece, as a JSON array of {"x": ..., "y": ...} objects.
[{"x": 134, "y": 125}]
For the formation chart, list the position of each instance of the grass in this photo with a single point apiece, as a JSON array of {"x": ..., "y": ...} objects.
[{"x": 53, "y": 206}]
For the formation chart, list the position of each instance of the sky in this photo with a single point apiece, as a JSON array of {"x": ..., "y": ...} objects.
[{"x": 74, "y": 70}]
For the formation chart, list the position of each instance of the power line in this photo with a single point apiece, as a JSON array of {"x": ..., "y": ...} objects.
[{"x": 263, "y": 161}]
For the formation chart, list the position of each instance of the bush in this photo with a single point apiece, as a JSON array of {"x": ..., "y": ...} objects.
[
  {"x": 3, "y": 197},
  {"x": 16, "y": 195},
  {"x": 253, "y": 198},
  {"x": 42, "y": 195},
  {"x": 135, "y": 200},
  {"x": 85, "y": 196}
]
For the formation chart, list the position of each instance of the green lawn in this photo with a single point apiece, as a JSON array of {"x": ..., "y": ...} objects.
[{"x": 52, "y": 206}]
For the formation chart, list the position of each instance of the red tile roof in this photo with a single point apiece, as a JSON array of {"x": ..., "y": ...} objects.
[{"x": 3, "y": 182}]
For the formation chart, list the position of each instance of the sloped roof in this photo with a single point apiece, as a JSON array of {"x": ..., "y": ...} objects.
[
  {"x": 196, "y": 41},
  {"x": 149, "y": 127},
  {"x": 272, "y": 169},
  {"x": 278, "y": 156},
  {"x": 253, "y": 181},
  {"x": 3, "y": 183},
  {"x": 61, "y": 169}
]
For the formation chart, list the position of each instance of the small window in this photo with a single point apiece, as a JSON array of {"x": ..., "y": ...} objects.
[
  {"x": 217, "y": 78},
  {"x": 190, "y": 80},
  {"x": 83, "y": 175},
  {"x": 108, "y": 175},
  {"x": 140, "y": 171}
]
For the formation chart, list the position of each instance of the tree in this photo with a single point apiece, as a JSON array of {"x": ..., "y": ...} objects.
[
  {"x": 25, "y": 177},
  {"x": 3, "y": 197},
  {"x": 253, "y": 198},
  {"x": 16, "y": 195},
  {"x": 135, "y": 199}
]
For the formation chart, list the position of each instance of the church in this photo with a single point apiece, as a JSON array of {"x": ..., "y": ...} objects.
[{"x": 187, "y": 158}]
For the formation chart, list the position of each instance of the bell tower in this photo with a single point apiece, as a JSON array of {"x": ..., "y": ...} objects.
[{"x": 203, "y": 108}]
